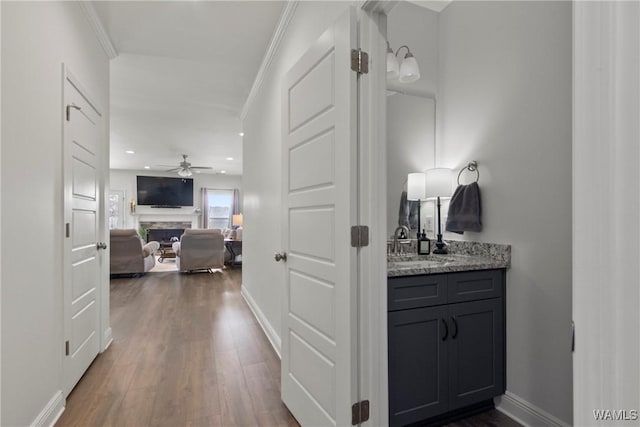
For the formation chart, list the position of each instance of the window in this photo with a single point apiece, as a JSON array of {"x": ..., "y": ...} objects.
[{"x": 220, "y": 208}]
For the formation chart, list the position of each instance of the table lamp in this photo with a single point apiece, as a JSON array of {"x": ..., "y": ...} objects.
[{"x": 439, "y": 184}]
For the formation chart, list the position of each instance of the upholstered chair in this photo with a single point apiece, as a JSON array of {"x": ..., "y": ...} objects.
[
  {"x": 128, "y": 254},
  {"x": 200, "y": 249}
]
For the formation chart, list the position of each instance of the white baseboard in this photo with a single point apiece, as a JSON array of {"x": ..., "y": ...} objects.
[
  {"x": 51, "y": 412},
  {"x": 107, "y": 338},
  {"x": 525, "y": 413},
  {"x": 271, "y": 333}
]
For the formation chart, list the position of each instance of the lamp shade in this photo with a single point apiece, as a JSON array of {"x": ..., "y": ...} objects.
[
  {"x": 415, "y": 186},
  {"x": 409, "y": 71},
  {"x": 237, "y": 220},
  {"x": 393, "y": 69},
  {"x": 439, "y": 182}
]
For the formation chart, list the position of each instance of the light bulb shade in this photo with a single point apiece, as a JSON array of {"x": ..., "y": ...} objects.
[
  {"x": 393, "y": 69},
  {"x": 409, "y": 71},
  {"x": 237, "y": 220},
  {"x": 439, "y": 182},
  {"x": 184, "y": 172},
  {"x": 415, "y": 186}
]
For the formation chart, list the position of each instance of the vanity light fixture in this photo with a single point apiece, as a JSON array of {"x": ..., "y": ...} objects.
[
  {"x": 406, "y": 71},
  {"x": 439, "y": 183}
]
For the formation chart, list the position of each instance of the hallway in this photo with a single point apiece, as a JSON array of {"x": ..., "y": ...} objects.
[{"x": 186, "y": 351}]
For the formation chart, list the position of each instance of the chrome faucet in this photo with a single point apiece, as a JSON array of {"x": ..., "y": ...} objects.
[{"x": 396, "y": 245}]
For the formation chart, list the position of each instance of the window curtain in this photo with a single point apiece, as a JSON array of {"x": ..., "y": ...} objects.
[
  {"x": 235, "y": 202},
  {"x": 205, "y": 207}
]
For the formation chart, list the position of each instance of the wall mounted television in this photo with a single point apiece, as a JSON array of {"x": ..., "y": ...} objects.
[{"x": 160, "y": 191}]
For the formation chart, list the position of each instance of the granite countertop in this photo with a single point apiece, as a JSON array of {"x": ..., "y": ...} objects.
[{"x": 462, "y": 256}]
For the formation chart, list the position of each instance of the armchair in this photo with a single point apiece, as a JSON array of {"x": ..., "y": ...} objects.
[
  {"x": 200, "y": 249},
  {"x": 127, "y": 253}
]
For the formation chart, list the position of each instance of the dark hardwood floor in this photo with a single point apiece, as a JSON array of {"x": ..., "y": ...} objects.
[{"x": 187, "y": 351}]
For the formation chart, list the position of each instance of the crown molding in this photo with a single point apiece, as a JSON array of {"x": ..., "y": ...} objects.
[
  {"x": 98, "y": 29},
  {"x": 272, "y": 50}
]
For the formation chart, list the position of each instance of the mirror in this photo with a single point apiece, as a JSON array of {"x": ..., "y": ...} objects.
[{"x": 410, "y": 139}]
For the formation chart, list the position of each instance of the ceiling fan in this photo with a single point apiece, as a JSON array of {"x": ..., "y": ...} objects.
[{"x": 185, "y": 168}]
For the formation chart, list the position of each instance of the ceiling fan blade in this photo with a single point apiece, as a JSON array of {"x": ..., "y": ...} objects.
[
  {"x": 200, "y": 167},
  {"x": 173, "y": 170}
]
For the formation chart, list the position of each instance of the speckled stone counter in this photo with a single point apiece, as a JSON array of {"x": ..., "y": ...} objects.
[{"x": 462, "y": 256}]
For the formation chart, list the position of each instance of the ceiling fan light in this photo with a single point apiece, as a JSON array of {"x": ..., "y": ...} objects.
[
  {"x": 185, "y": 172},
  {"x": 409, "y": 71}
]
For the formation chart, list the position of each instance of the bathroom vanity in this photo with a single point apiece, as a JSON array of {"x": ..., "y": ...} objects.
[{"x": 446, "y": 335}]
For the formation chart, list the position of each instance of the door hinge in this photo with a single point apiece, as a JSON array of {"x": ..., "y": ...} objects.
[
  {"x": 359, "y": 61},
  {"x": 67, "y": 230},
  {"x": 359, "y": 236},
  {"x": 359, "y": 412},
  {"x": 66, "y": 348}
]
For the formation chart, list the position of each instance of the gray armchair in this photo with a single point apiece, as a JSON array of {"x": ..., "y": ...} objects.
[
  {"x": 128, "y": 255},
  {"x": 200, "y": 249}
]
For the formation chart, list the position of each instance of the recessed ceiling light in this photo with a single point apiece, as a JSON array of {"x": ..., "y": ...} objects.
[
  {"x": 130, "y": 152},
  {"x": 198, "y": 171},
  {"x": 223, "y": 171},
  {"x": 229, "y": 158},
  {"x": 241, "y": 134},
  {"x": 147, "y": 167}
]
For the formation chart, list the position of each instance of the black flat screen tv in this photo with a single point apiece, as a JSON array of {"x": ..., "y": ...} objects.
[{"x": 162, "y": 191}]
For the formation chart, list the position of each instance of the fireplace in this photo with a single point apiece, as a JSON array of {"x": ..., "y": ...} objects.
[
  {"x": 164, "y": 235},
  {"x": 163, "y": 231}
]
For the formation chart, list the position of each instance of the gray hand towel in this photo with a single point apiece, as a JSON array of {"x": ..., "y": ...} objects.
[
  {"x": 408, "y": 212},
  {"x": 465, "y": 209}
]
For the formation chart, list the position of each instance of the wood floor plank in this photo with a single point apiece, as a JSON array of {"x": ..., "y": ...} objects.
[{"x": 187, "y": 351}]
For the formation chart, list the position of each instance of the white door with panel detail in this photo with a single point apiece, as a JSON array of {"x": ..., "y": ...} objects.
[
  {"x": 319, "y": 335},
  {"x": 83, "y": 130}
]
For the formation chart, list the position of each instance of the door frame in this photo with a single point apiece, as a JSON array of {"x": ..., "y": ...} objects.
[
  {"x": 372, "y": 202},
  {"x": 102, "y": 294}
]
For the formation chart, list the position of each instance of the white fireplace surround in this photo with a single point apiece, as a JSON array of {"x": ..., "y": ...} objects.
[{"x": 145, "y": 214}]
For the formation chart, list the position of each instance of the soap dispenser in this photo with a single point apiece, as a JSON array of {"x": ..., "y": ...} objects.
[{"x": 424, "y": 244}]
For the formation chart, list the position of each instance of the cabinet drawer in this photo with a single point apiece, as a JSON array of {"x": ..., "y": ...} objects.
[
  {"x": 474, "y": 285},
  {"x": 416, "y": 291}
]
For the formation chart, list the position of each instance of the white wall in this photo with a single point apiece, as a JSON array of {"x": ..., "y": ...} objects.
[
  {"x": 504, "y": 99},
  {"x": 125, "y": 180},
  {"x": 36, "y": 39},
  {"x": 262, "y": 278}
]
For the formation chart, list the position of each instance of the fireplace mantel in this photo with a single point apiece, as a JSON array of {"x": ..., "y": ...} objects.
[{"x": 166, "y": 215}]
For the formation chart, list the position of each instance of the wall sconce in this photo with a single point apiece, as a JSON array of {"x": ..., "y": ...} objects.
[{"x": 406, "y": 71}]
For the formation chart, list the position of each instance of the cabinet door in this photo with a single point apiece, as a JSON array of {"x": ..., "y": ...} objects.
[
  {"x": 417, "y": 364},
  {"x": 476, "y": 352}
]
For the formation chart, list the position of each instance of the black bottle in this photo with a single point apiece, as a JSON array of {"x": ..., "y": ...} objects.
[{"x": 424, "y": 244}]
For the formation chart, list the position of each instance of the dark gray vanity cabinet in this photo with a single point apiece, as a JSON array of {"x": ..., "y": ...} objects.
[{"x": 446, "y": 343}]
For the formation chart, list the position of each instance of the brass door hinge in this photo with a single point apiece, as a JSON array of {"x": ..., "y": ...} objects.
[
  {"x": 359, "y": 61},
  {"x": 359, "y": 236},
  {"x": 359, "y": 412}
]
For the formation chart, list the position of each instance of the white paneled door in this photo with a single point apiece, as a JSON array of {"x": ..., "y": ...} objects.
[
  {"x": 319, "y": 328},
  {"x": 82, "y": 151}
]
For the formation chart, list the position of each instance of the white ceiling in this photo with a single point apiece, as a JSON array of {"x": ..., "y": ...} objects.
[{"x": 182, "y": 75}]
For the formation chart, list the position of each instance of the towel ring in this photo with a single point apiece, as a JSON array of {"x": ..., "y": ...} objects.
[{"x": 471, "y": 167}]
